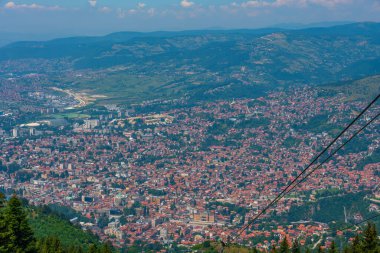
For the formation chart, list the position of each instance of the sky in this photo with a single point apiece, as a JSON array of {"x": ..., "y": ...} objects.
[{"x": 57, "y": 18}]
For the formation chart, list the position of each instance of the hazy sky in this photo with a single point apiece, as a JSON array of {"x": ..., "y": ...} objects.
[{"x": 64, "y": 17}]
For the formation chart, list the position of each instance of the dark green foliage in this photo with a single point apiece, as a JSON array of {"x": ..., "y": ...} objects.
[
  {"x": 139, "y": 246},
  {"x": 361, "y": 145},
  {"x": 284, "y": 247},
  {"x": 45, "y": 234},
  {"x": 106, "y": 248},
  {"x": 92, "y": 249},
  {"x": 219, "y": 127},
  {"x": 296, "y": 247},
  {"x": 370, "y": 240},
  {"x": 50, "y": 225},
  {"x": 373, "y": 158},
  {"x": 11, "y": 168},
  {"x": 291, "y": 142},
  {"x": 208, "y": 142},
  {"x": 63, "y": 212},
  {"x": 16, "y": 234},
  {"x": 2, "y": 166},
  {"x": 329, "y": 209},
  {"x": 50, "y": 245},
  {"x": 253, "y": 123},
  {"x": 2, "y": 200},
  {"x": 355, "y": 248},
  {"x": 273, "y": 249},
  {"x": 316, "y": 124},
  {"x": 156, "y": 192},
  {"x": 362, "y": 89},
  {"x": 333, "y": 248},
  {"x": 3, "y": 225},
  {"x": 75, "y": 249},
  {"x": 206, "y": 244},
  {"x": 103, "y": 220}
]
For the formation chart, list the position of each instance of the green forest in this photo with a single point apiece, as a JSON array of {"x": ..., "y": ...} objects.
[{"x": 30, "y": 230}]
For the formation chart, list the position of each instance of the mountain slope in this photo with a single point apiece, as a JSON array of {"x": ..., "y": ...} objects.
[
  {"x": 50, "y": 225},
  {"x": 141, "y": 66},
  {"x": 362, "y": 89}
]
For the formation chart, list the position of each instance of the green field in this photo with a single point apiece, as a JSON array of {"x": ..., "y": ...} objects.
[
  {"x": 69, "y": 116},
  {"x": 125, "y": 88}
]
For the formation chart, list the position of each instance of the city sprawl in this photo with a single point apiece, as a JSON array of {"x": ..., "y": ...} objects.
[{"x": 189, "y": 173}]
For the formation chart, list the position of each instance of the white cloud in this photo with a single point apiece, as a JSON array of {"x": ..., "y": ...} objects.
[
  {"x": 105, "y": 9},
  {"x": 151, "y": 11},
  {"x": 121, "y": 13},
  {"x": 34, "y": 6},
  {"x": 92, "y": 3},
  {"x": 329, "y": 3},
  {"x": 141, "y": 5},
  {"x": 10, "y": 5},
  {"x": 294, "y": 3},
  {"x": 186, "y": 3},
  {"x": 255, "y": 4},
  {"x": 376, "y": 6},
  {"x": 276, "y": 3}
]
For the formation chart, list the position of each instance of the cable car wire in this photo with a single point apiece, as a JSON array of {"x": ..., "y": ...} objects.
[
  {"x": 283, "y": 192},
  {"x": 333, "y": 153}
]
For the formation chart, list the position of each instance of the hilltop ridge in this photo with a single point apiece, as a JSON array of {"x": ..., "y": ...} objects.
[{"x": 132, "y": 67}]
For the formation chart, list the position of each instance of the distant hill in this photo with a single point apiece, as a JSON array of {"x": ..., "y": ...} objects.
[
  {"x": 131, "y": 66},
  {"x": 311, "y": 25},
  {"x": 361, "y": 89}
]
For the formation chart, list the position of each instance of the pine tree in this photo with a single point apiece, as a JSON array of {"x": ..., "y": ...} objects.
[
  {"x": 49, "y": 245},
  {"x": 3, "y": 227},
  {"x": 356, "y": 247},
  {"x": 333, "y": 248},
  {"x": 55, "y": 245},
  {"x": 370, "y": 240},
  {"x": 107, "y": 248},
  {"x": 284, "y": 246},
  {"x": 18, "y": 234},
  {"x": 2, "y": 200},
  {"x": 75, "y": 249},
  {"x": 273, "y": 249},
  {"x": 92, "y": 249},
  {"x": 296, "y": 247},
  {"x": 255, "y": 250}
]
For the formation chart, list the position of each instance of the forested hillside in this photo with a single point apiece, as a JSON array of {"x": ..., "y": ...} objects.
[{"x": 27, "y": 229}]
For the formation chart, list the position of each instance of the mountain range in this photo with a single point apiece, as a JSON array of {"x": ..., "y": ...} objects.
[{"x": 132, "y": 66}]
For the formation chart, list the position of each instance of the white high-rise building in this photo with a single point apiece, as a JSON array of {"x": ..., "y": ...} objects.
[
  {"x": 32, "y": 131},
  {"x": 91, "y": 123},
  {"x": 15, "y": 132}
]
